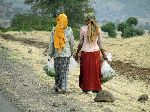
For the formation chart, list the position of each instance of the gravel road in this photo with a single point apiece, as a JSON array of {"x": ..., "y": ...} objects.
[{"x": 27, "y": 91}]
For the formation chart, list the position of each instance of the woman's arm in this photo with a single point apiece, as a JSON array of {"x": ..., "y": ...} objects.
[
  {"x": 100, "y": 44},
  {"x": 51, "y": 45},
  {"x": 71, "y": 41},
  {"x": 80, "y": 44}
]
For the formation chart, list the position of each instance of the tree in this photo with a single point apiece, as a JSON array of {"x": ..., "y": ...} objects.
[
  {"x": 110, "y": 28},
  {"x": 74, "y": 9},
  {"x": 131, "y": 32},
  {"x": 29, "y": 22},
  {"x": 128, "y": 32},
  {"x": 132, "y": 21},
  {"x": 122, "y": 26}
]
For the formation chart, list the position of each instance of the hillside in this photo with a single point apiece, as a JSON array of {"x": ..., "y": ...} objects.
[
  {"x": 114, "y": 10},
  {"x": 121, "y": 9},
  {"x": 130, "y": 61}
]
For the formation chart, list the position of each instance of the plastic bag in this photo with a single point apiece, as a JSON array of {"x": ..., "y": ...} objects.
[
  {"x": 73, "y": 64},
  {"x": 49, "y": 68},
  {"x": 107, "y": 72},
  {"x": 109, "y": 57}
]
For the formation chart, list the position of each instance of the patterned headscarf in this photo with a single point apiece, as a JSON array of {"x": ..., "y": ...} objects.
[
  {"x": 59, "y": 35},
  {"x": 93, "y": 28}
]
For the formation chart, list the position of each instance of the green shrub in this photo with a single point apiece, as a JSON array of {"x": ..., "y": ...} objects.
[
  {"x": 128, "y": 29},
  {"x": 112, "y": 34},
  {"x": 29, "y": 22},
  {"x": 121, "y": 26},
  {"x": 131, "y": 32},
  {"x": 110, "y": 28},
  {"x": 128, "y": 32},
  {"x": 2, "y": 29},
  {"x": 76, "y": 32},
  {"x": 139, "y": 32},
  {"x": 132, "y": 21}
]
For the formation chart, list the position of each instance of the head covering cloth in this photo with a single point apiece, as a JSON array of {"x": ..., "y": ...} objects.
[{"x": 59, "y": 34}]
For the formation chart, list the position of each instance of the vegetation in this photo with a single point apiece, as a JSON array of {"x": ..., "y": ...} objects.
[
  {"x": 29, "y": 22},
  {"x": 75, "y": 9},
  {"x": 132, "y": 21},
  {"x": 127, "y": 28},
  {"x": 122, "y": 26},
  {"x": 110, "y": 28},
  {"x": 49, "y": 72}
]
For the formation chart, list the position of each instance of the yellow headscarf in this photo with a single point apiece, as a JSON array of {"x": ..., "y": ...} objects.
[{"x": 59, "y": 34}]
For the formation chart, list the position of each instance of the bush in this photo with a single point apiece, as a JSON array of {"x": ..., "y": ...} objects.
[
  {"x": 128, "y": 29},
  {"x": 132, "y": 21},
  {"x": 128, "y": 32},
  {"x": 76, "y": 32},
  {"x": 131, "y": 32},
  {"x": 2, "y": 29},
  {"x": 112, "y": 34},
  {"x": 122, "y": 26},
  {"x": 29, "y": 22},
  {"x": 138, "y": 32},
  {"x": 110, "y": 28}
]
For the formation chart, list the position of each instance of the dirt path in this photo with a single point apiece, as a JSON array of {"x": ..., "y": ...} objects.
[
  {"x": 126, "y": 69},
  {"x": 30, "y": 88},
  {"x": 6, "y": 105},
  {"x": 27, "y": 91}
]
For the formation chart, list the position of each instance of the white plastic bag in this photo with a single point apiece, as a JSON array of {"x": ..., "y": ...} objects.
[
  {"x": 107, "y": 72},
  {"x": 73, "y": 64},
  {"x": 49, "y": 68},
  {"x": 109, "y": 57},
  {"x": 50, "y": 64}
]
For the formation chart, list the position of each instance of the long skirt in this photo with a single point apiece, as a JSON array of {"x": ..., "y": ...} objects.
[
  {"x": 61, "y": 65},
  {"x": 90, "y": 72}
]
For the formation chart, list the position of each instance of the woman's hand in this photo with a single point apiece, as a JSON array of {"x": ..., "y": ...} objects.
[{"x": 105, "y": 57}]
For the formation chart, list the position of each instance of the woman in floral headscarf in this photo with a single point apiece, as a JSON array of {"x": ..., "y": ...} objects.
[
  {"x": 90, "y": 46},
  {"x": 61, "y": 49}
]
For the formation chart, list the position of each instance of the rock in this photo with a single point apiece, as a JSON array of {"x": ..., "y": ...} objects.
[
  {"x": 143, "y": 97},
  {"x": 73, "y": 109},
  {"x": 25, "y": 84},
  {"x": 56, "y": 104},
  {"x": 104, "y": 96},
  {"x": 64, "y": 103},
  {"x": 107, "y": 110},
  {"x": 30, "y": 51}
]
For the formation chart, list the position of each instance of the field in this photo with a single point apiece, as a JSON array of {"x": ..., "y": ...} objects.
[{"x": 131, "y": 61}]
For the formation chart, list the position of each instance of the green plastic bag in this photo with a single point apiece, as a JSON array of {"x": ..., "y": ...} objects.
[{"x": 49, "y": 69}]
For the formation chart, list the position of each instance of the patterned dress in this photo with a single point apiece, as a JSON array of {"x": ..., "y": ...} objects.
[{"x": 62, "y": 60}]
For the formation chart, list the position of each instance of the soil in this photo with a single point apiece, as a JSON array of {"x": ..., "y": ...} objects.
[{"x": 26, "y": 84}]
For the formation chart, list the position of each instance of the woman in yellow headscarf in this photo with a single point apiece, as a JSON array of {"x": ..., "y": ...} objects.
[{"x": 61, "y": 49}]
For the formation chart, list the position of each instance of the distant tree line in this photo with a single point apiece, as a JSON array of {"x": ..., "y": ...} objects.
[
  {"x": 44, "y": 13},
  {"x": 127, "y": 28}
]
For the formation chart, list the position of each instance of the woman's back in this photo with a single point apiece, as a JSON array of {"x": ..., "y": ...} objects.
[
  {"x": 69, "y": 41},
  {"x": 86, "y": 45}
]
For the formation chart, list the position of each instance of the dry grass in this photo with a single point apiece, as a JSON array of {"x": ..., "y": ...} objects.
[{"x": 134, "y": 50}]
